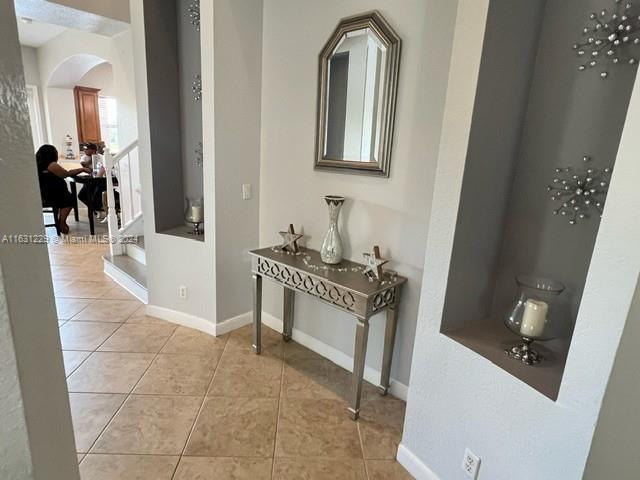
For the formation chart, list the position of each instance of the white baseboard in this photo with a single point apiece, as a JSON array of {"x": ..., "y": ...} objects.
[
  {"x": 126, "y": 282},
  {"x": 134, "y": 251},
  {"x": 413, "y": 465},
  {"x": 181, "y": 318},
  {"x": 336, "y": 356},
  {"x": 234, "y": 323}
]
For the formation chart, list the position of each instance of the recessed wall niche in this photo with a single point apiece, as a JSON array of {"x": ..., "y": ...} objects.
[
  {"x": 534, "y": 111},
  {"x": 172, "y": 36}
]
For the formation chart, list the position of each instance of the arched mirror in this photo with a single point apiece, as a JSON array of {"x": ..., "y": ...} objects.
[{"x": 358, "y": 83}]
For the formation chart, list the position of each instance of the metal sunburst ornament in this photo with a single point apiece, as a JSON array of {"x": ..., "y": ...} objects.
[
  {"x": 194, "y": 14},
  {"x": 610, "y": 38},
  {"x": 581, "y": 193}
]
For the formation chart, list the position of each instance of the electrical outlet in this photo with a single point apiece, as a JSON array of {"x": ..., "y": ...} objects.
[
  {"x": 182, "y": 292},
  {"x": 246, "y": 191},
  {"x": 471, "y": 464}
]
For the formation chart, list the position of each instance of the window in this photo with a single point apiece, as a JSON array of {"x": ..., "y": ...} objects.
[
  {"x": 109, "y": 122},
  {"x": 33, "y": 104}
]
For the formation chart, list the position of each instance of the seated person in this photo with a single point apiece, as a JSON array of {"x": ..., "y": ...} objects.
[
  {"x": 53, "y": 188},
  {"x": 91, "y": 193}
]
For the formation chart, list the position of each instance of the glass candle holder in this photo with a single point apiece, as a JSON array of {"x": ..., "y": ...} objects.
[
  {"x": 194, "y": 214},
  {"x": 534, "y": 316}
]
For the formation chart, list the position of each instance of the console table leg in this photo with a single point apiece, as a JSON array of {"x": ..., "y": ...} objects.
[
  {"x": 389, "y": 341},
  {"x": 257, "y": 313},
  {"x": 359, "y": 354},
  {"x": 287, "y": 323}
]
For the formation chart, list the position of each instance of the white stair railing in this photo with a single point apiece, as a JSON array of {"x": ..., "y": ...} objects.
[{"x": 124, "y": 166}]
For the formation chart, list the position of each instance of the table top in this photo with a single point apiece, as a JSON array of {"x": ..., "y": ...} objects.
[{"x": 347, "y": 274}]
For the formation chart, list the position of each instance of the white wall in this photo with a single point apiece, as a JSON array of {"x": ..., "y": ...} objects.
[
  {"x": 393, "y": 212},
  {"x": 36, "y": 435},
  {"x": 32, "y": 77},
  {"x": 614, "y": 449},
  {"x": 61, "y": 118},
  {"x": 458, "y": 399}
]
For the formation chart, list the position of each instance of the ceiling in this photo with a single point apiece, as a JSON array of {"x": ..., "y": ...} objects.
[
  {"x": 55, "y": 15},
  {"x": 36, "y": 33}
]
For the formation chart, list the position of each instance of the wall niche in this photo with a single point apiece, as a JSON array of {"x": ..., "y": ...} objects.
[
  {"x": 172, "y": 33},
  {"x": 534, "y": 112}
]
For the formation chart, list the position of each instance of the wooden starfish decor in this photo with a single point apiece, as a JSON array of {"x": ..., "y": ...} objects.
[
  {"x": 374, "y": 263},
  {"x": 290, "y": 240}
]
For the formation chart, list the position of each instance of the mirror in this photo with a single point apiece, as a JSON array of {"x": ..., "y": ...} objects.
[{"x": 357, "y": 96}]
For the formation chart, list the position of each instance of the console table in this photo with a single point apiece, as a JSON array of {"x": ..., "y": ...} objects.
[{"x": 343, "y": 286}]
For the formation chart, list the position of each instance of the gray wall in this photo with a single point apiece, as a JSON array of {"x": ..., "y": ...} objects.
[
  {"x": 614, "y": 451},
  {"x": 570, "y": 114},
  {"x": 164, "y": 113},
  {"x": 28, "y": 320},
  {"x": 501, "y": 101},
  {"x": 393, "y": 212},
  {"x": 190, "y": 110},
  {"x": 238, "y": 56}
]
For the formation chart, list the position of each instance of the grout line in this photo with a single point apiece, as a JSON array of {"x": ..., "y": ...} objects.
[
  {"x": 275, "y": 438},
  {"x": 128, "y": 395},
  {"x": 204, "y": 399}
]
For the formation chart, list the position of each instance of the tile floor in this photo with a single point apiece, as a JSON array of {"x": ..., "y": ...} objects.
[{"x": 152, "y": 400}]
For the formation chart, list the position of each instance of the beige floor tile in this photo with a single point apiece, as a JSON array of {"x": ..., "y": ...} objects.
[
  {"x": 60, "y": 286},
  {"x": 207, "y": 468},
  {"x": 68, "y": 307},
  {"x": 242, "y": 339},
  {"x": 62, "y": 272},
  {"x": 311, "y": 376},
  {"x": 84, "y": 289},
  {"x": 70, "y": 258},
  {"x": 73, "y": 359},
  {"x": 386, "y": 470},
  {"x": 128, "y": 467},
  {"x": 85, "y": 335},
  {"x": 108, "y": 311},
  {"x": 140, "y": 316},
  {"x": 90, "y": 413},
  {"x": 245, "y": 374},
  {"x": 319, "y": 469},
  {"x": 118, "y": 293},
  {"x": 148, "y": 424},
  {"x": 316, "y": 428},
  {"x": 62, "y": 322},
  {"x": 80, "y": 457},
  {"x": 138, "y": 338},
  {"x": 178, "y": 374},
  {"x": 188, "y": 340},
  {"x": 235, "y": 427},
  {"x": 381, "y": 422},
  {"x": 108, "y": 372}
]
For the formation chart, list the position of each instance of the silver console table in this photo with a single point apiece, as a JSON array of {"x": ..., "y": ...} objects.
[{"x": 342, "y": 286}]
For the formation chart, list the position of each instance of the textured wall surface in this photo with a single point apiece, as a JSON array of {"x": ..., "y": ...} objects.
[{"x": 28, "y": 288}]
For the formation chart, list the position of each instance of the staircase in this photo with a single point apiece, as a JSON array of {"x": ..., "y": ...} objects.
[{"x": 126, "y": 262}]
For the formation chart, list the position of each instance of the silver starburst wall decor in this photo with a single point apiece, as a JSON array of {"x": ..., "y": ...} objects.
[
  {"x": 581, "y": 194},
  {"x": 194, "y": 14},
  {"x": 611, "y": 37}
]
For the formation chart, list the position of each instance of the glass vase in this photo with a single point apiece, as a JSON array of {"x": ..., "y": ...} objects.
[
  {"x": 536, "y": 315},
  {"x": 331, "y": 251}
]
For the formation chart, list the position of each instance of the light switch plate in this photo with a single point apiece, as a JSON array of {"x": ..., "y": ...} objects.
[{"x": 246, "y": 191}]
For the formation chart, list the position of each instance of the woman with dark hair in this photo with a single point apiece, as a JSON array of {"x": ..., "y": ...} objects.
[{"x": 53, "y": 188}]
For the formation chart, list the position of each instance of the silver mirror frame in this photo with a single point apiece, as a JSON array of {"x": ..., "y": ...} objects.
[{"x": 376, "y": 22}]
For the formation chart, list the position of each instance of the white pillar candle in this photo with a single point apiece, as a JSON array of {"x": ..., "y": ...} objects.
[
  {"x": 534, "y": 318},
  {"x": 197, "y": 214}
]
